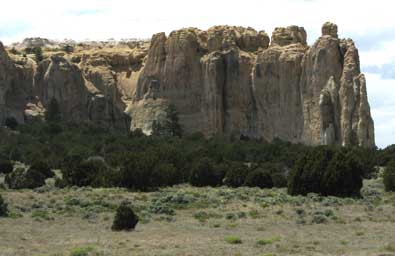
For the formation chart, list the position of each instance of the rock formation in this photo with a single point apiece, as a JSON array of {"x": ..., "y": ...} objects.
[{"x": 230, "y": 81}]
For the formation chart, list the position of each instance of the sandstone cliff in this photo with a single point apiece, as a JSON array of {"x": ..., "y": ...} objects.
[{"x": 226, "y": 80}]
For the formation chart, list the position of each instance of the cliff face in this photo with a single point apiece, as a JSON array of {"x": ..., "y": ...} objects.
[
  {"x": 226, "y": 80},
  {"x": 229, "y": 80}
]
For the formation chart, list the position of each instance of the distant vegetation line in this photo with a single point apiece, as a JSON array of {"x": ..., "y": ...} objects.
[{"x": 91, "y": 156}]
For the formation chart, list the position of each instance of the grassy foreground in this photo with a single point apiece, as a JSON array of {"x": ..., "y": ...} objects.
[{"x": 185, "y": 220}]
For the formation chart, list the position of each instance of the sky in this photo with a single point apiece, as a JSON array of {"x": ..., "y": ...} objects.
[{"x": 369, "y": 23}]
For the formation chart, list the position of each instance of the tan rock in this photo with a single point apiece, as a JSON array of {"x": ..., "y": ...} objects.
[
  {"x": 289, "y": 35},
  {"x": 226, "y": 80},
  {"x": 329, "y": 29},
  {"x": 221, "y": 84}
]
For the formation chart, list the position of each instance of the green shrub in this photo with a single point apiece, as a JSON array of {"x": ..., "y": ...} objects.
[
  {"x": 3, "y": 207},
  {"x": 92, "y": 172},
  {"x": 15, "y": 179},
  {"x": 233, "y": 240},
  {"x": 277, "y": 173},
  {"x": 21, "y": 179},
  {"x": 68, "y": 48},
  {"x": 326, "y": 171},
  {"x": 343, "y": 176},
  {"x": 307, "y": 174},
  {"x": 38, "y": 54},
  {"x": 6, "y": 166},
  {"x": 164, "y": 175},
  {"x": 82, "y": 251},
  {"x": 14, "y": 51},
  {"x": 319, "y": 218},
  {"x": 60, "y": 183},
  {"x": 125, "y": 218},
  {"x": 53, "y": 111},
  {"x": 272, "y": 240},
  {"x": 389, "y": 176},
  {"x": 43, "y": 168},
  {"x": 34, "y": 179},
  {"x": 236, "y": 174},
  {"x": 259, "y": 178},
  {"x": 136, "y": 171},
  {"x": 203, "y": 174},
  {"x": 41, "y": 215},
  {"x": 11, "y": 123}
]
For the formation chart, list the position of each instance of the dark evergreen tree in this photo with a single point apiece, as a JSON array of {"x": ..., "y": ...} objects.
[
  {"x": 307, "y": 174},
  {"x": 125, "y": 218},
  {"x": 11, "y": 123},
  {"x": 164, "y": 175},
  {"x": 136, "y": 170},
  {"x": 157, "y": 128},
  {"x": 236, "y": 174},
  {"x": 343, "y": 176},
  {"x": 3, "y": 207},
  {"x": 172, "y": 125},
  {"x": 203, "y": 174},
  {"x": 327, "y": 171},
  {"x": 389, "y": 176},
  {"x": 43, "y": 168},
  {"x": 53, "y": 111},
  {"x": 6, "y": 166},
  {"x": 21, "y": 179},
  {"x": 38, "y": 53},
  {"x": 68, "y": 48},
  {"x": 92, "y": 172},
  {"x": 259, "y": 178}
]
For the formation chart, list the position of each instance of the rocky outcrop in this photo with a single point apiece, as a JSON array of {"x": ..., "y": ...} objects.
[
  {"x": 230, "y": 81},
  {"x": 79, "y": 98},
  {"x": 15, "y": 85}
]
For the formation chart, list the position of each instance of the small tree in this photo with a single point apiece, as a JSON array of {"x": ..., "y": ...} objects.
[
  {"x": 6, "y": 166},
  {"x": 91, "y": 172},
  {"x": 125, "y": 218},
  {"x": 11, "y": 123},
  {"x": 172, "y": 122},
  {"x": 43, "y": 168},
  {"x": 157, "y": 129},
  {"x": 33, "y": 179},
  {"x": 136, "y": 170},
  {"x": 326, "y": 171},
  {"x": 3, "y": 207},
  {"x": 53, "y": 112},
  {"x": 68, "y": 48},
  {"x": 389, "y": 176},
  {"x": 14, "y": 51},
  {"x": 259, "y": 178},
  {"x": 164, "y": 175},
  {"x": 203, "y": 174},
  {"x": 38, "y": 53},
  {"x": 236, "y": 175},
  {"x": 20, "y": 179},
  {"x": 343, "y": 176},
  {"x": 308, "y": 172}
]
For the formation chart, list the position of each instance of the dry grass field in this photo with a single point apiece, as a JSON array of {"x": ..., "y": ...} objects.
[{"x": 184, "y": 220}]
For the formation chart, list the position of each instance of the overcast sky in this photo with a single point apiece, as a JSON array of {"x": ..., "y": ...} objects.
[{"x": 369, "y": 23}]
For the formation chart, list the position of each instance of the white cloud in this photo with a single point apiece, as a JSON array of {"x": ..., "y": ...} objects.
[
  {"x": 383, "y": 53},
  {"x": 103, "y": 19},
  {"x": 124, "y": 18},
  {"x": 381, "y": 93}
]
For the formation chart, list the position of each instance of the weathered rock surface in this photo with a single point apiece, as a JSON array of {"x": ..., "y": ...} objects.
[
  {"x": 15, "y": 85},
  {"x": 227, "y": 80}
]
